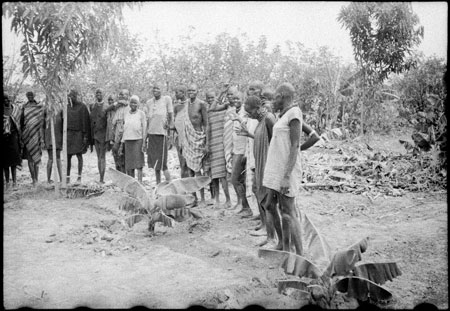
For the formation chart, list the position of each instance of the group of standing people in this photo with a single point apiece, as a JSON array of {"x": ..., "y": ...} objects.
[{"x": 251, "y": 139}]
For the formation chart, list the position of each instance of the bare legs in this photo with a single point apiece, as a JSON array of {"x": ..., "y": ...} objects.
[
  {"x": 215, "y": 190},
  {"x": 238, "y": 181},
  {"x": 80, "y": 166},
  {"x": 34, "y": 169},
  {"x": 131, "y": 173},
  {"x": 100, "y": 149},
  {"x": 13, "y": 175},
  {"x": 50, "y": 164}
]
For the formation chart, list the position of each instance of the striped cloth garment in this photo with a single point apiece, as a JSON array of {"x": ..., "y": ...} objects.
[
  {"x": 32, "y": 123},
  {"x": 193, "y": 145},
  {"x": 217, "y": 161}
]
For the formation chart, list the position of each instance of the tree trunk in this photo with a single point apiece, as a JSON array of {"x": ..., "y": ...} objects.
[
  {"x": 55, "y": 160},
  {"x": 64, "y": 148},
  {"x": 362, "y": 103}
]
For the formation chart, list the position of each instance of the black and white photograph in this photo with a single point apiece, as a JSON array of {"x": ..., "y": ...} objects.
[{"x": 225, "y": 155}]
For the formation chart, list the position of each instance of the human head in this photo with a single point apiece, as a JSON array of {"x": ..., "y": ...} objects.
[
  {"x": 283, "y": 95},
  {"x": 99, "y": 94},
  {"x": 6, "y": 101},
  {"x": 210, "y": 96},
  {"x": 126, "y": 94},
  {"x": 157, "y": 90},
  {"x": 192, "y": 91},
  {"x": 255, "y": 88},
  {"x": 30, "y": 96},
  {"x": 134, "y": 102},
  {"x": 73, "y": 95},
  {"x": 230, "y": 93},
  {"x": 110, "y": 99},
  {"x": 267, "y": 94},
  {"x": 237, "y": 99},
  {"x": 180, "y": 92},
  {"x": 252, "y": 106}
]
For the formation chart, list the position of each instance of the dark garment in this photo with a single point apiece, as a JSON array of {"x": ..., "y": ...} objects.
[
  {"x": 11, "y": 147},
  {"x": 31, "y": 123},
  {"x": 78, "y": 128},
  {"x": 119, "y": 160},
  {"x": 98, "y": 122},
  {"x": 134, "y": 156},
  {"x": 58, "y": 124},
  {"x": 157, "y": 152},
  {"x": 260, "y": 151}
]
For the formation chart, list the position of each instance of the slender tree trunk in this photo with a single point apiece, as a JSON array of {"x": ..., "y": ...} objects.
[
  {"x": 64, "y": 148},
  {"x": 55, "y": 160},
  {"x": 362, "y": 103}
]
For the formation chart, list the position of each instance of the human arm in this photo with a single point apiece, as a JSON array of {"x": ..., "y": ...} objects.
[
  {"x": 144, "y": 132},
  {"x": 243, "y": 131},
  {"x": 42, "y": 130},
  {"x": 294, "y": 136},
  {"x": 313, "y": 137},
  {"x": 205, "y": 124},
  {"x": 270, "y": 122}
]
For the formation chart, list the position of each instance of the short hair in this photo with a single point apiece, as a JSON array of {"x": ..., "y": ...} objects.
[
  {"x": 136, "y": 98},
  {"x": 233, "y": 89},
  {"x": 110, "y": 97},
  {"x": 286, "y": 90},
  {"x": 72, "y": 93},
  {"x": 211, "y": 91},
  {"x": 258, "y": 84},
  {"x": 253, "y": 101},
  {"x": 157, "y": 84},
  {"x": 99, "y": 90},
  {"x": 268, "y": 93},
  {"x": 181, "y": 88},
  {"x": 194, "y": 84},
  {"x": 30, "y": 93}
]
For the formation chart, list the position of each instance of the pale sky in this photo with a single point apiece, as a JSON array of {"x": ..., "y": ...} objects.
[{"x": 312, "y": 23}]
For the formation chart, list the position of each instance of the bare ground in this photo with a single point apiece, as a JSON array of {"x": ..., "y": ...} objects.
[{"x": 64, "y": 253}]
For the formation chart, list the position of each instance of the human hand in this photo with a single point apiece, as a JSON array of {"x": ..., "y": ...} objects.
[
  {"x": 42, "y": 145},
  {"x": 284, "y": 186},
  {"x": 92, "y": 148},
  {"x": 144, "y": 146},
  {"x": 120, "y": 152},
  {"x": 243, "y": 130}
]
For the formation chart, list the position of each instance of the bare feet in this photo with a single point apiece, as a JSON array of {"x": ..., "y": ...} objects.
[
  {"x": 202, "y": 204},
  {"x": 227, "y": 204},
  {"x": 237, "y": 206},
  {"x": 260, "y": 226},
  {"x": 258, "y": 233},
  {"x": 79, "y": 179},
  {"x": 272, "y": 244}
]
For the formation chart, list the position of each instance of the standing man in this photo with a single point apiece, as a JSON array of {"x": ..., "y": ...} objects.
[
  {"x": 159, "y": 112},
  {"x": 178, "y": 126},
  {"x": 216, "y": 122},
  {"x": 99, "y": 123},
  {"x": 78, "y": 132},
  {"x": 195, "y": 141},
  {"x": 32, "y": 134},
  {"x": 120, "y": 108}
]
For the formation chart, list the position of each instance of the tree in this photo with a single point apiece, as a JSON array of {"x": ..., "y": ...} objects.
[
  {"x": 382, "y": 35},
  {"x": 58, "y": 39}
]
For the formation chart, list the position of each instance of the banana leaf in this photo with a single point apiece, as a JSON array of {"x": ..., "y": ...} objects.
[
  {"x": 360, "y": 247},
  {"x": 300, "y": 266},
  {"x": 379, "y": 273},
  {"x": 297, "y": 284},
  {"x": 183, "y": 185},
  {"x": 362, "y": 289},
  {"x": 133, "y": 187},
  {"x": 342, "y": 263},
  {"x": 317, "y": 246},
  {"x": 134, "y": 219}
]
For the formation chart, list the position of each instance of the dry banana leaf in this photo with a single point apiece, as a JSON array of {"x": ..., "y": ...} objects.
[
  {"x": 300, "y": 266},
  {"x": 297, "y": 284},
  {"x": 159, "y": 216},
  {"x": 342, "y": 263},
  {"x": 362, "y": 289},
  {"x": 360, "y": 247},
  {"x": 379, "y": 273},
  {"x": 183, "y": 185},
  {"x": 132, "y": 187},
  {"x": 317, "y": 246}
]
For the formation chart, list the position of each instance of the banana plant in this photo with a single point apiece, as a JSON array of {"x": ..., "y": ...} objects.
[
  {"x": 169, "y": 202},
  {"x": 319, "y": 276}
]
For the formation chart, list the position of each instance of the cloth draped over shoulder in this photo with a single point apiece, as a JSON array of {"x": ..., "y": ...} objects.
[
  {"x": 193, "y": 144},
  {"x": 32, "y": 118},
  {"x": 278, "y": 154},
  {"x": 179, "y": 125}
]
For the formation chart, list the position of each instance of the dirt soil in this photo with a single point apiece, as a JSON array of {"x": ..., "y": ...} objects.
[{"x": 64, "y": 253}]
